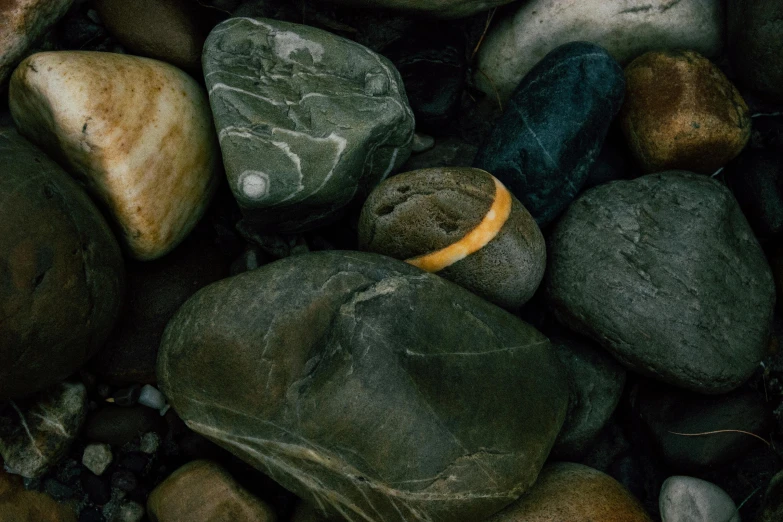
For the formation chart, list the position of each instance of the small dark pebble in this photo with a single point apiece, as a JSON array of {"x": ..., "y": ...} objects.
[
  {"x": 57, "y": 490},
  {"x": 136, "y": 462},
  {"x": 97, "y": 488},
  {"x": 124, "y": 480},
  {"x": 92, "y": 514}
]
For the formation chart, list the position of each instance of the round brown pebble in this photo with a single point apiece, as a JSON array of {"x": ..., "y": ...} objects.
[
  {"x": 681, "y": 112},
  {"x": 423, "y": 212},
  {"x": 576, "y": 493},
  {"x": 202, "y": 491}
]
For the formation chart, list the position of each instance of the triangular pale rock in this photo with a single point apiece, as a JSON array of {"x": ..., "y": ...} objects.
[{"x": 137, "y": 132}]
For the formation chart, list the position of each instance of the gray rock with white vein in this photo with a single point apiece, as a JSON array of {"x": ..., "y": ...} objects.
[{"x": 307, "y": 120}]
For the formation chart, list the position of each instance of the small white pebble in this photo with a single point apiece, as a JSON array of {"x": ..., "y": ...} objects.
[
  {"x": 150, "y": 442},
  {"x": 422, "y": 142},
  {"x": 97, "y": 458},
  {"x": 152, "y": 398},
  {"x": 129, "y": 512}
]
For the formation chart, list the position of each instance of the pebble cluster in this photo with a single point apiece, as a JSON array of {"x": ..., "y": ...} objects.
[{"x": 391, "y": 261}]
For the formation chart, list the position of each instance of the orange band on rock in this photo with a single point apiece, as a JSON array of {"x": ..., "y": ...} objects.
[{"x": 474, "y": 240}]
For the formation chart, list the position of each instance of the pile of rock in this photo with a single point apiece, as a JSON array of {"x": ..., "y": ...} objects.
[{"x": 391, "y": 260}]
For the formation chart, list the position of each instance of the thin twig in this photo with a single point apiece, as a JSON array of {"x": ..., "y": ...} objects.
[
  {"x": 722, "y": 431},
  {"x": 490, "y": 16},
  {"x": 497, "y": 94}
]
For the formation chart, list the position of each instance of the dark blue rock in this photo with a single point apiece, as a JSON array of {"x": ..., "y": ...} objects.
[{"x": 545, "y": 144}]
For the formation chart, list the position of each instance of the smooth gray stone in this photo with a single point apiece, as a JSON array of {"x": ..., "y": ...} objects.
[
  {"x": 367, "y": 387},
  {"x": 307, "y": 120},
  {"x": 665, "y": 272},
  {"x": 688, "y": 499},
  {"x": 596, "y": 381}
]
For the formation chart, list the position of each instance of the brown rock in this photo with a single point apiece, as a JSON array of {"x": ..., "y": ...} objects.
[
  {"x": 419, "y": 213},
  {"x": 574, "y": 493},
  {"x": 169, "y": 30},
  {"x": 18, "y": 505},
  {"x": 61, "y": 271},
  {"x": 681, "y": 112},
  {"x": 137, "y": 132},
  {"x": 202, "y": 491},
  {"x": 22, "y": 22}
]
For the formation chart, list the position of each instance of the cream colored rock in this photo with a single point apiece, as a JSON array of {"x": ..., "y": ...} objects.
[
  {"x": 439, "y": 8},
  {"x": 626, "y": 28},
  {"x": 574, "y": 493},
  {"x": 136, "y": 131},
  {"x": 22, "y": 22}
]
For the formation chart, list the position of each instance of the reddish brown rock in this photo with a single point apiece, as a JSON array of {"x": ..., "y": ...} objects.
[
  {"x": 22, "y": 22},
  {"x": 202, "y": 491},
  {"x": 18, "y": 505},
  {"x": 169, "y": 30},
  {"x": 681, "y": 112},
  {"x": 574, "y": 493}
]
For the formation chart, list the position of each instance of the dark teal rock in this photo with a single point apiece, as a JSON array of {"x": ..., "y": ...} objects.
[
  {"x": 369, "y": 388},
  {"x": 307, "y": 121},
  {"x": 756, "y": 179},
  {"x": 544, "y": 146}
]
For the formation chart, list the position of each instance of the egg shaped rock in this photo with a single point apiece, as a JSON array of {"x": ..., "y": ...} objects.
[
  {"x": 462, "y": 224},
  {"x": 61, "y": 271},
  {"x": 371, "y": 389}
]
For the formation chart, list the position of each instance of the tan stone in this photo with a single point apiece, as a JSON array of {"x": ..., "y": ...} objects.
[
  {"x": 136, "y": 131},
  {"x": 439, "y": 8},
  {"x": 22, "y": 22},
  {"x": 576, "y": 493},
  {"x": 202, "y": 491},
  {"x": 681, "y": 112},
  {"x": 18, "y": 505}
]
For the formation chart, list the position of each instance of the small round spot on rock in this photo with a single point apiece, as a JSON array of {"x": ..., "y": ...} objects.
[
  {"x": 376, "y": 84},
  {"x": 254, "y": 184}
]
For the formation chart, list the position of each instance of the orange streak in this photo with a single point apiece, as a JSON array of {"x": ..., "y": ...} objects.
[{"x": 474, "y": 240}]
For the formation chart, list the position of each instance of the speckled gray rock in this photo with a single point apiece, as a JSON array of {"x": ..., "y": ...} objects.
[
  {"x": 688, "y": 499},
  {"x": 306, "y": 120},
  {"x": 367, "y": 387},
  {"x": 35, "y": 432},
  {"x": 664, "y": 271},
  {"x": 596, "y": 382}
]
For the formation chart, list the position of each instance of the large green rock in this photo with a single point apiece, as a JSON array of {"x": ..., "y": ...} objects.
[
  {"x": 368, "y": 387},
  {"x": 306, "y": 120},
  {"x": 61, "y": 271}
]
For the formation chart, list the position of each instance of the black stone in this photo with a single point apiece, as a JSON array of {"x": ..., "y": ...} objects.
[
  {"x": 755, "y": 44},
  {"x": 431, "y": 61},
  {"x": 135, "y": 462},
  {"x": 124, "y": 480},
  {"x": 97, "y": 488},
  {"x": 545, "y": 144},
  {"x": 116, "y": 425},
  {"x": 92, "y": 514},
  {"x": 756, "y": 178}
]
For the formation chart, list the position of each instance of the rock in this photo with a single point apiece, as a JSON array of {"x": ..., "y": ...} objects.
[
  {"x": 62, "y": 282},
  {"x": 681, "y": 112},
  {"x": 755, "y": 43},
  {"x": 152, "y": 398},
  {"x": 97, "y": 458},
  {"x": 576, "y": 493},
  {"x": 18, "y": 505},
  {"x": 117, "y": 426},
  {"x": 422, "y": 142},
  {"x": 202, "y": 491},
  {"x": 405, "y": 397},
  {"x": 438, "y": 8},
  {"x": 325, "y": 118},
  {"x": 756, "y": 179},
  {"x": 614, "y": 162},
  {"x": 169, "y": 30},
  {"x": 776, "y": 260},
  {"x": 597, "y": 382},
  {"x": 462, "y": 224},
  {"x": 150, "y": 442},
  {"x": 772, "y": 509},
  {"x": 129, "y": 512},
  {"x": 688, "y": 499},
  {"x": 132, "y": 129},
  {"x": 305, "y": 512},
  {"x": 446, "y": 152},
  {"x": 24, "y": 22},
  {"x": 626, "y": 29},
  {"x": 545, "y": 144},
  {"x": 37, "y": 431},
  {"x": 669, "y": 413},
  {"x": 686, "y": 295},
  {"x": 431, "y": 62},
  {"x": 156, "y": 290},
  {"x": 124, "y": 480}
]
